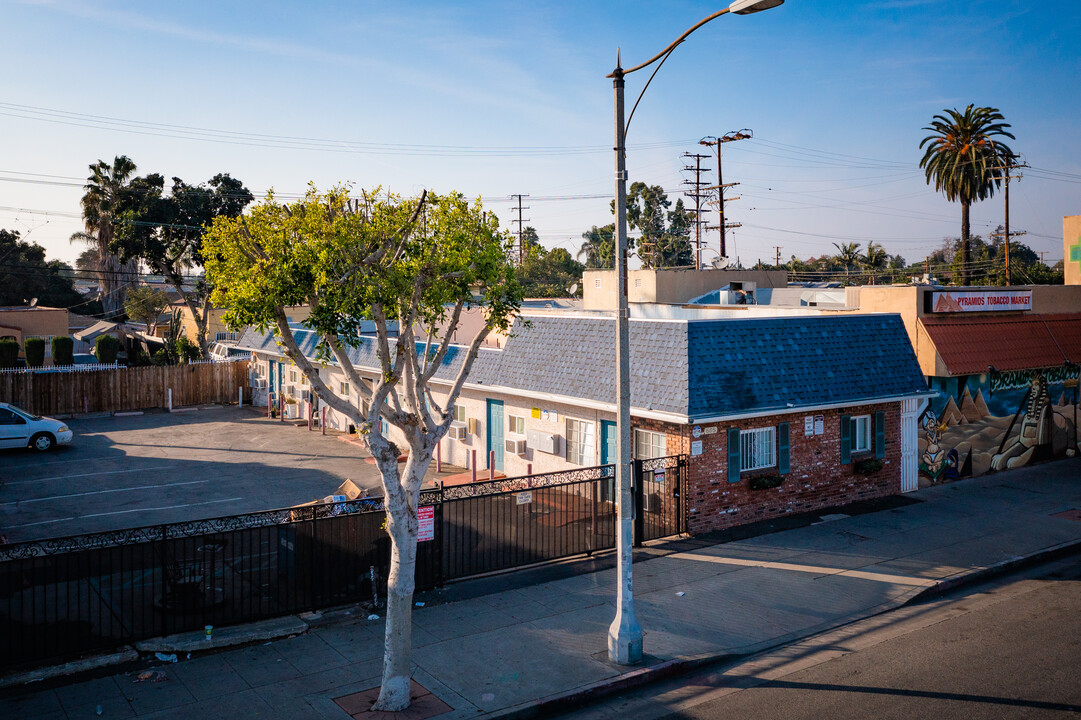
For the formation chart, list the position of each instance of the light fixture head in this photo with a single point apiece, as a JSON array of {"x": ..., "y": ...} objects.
[{"x": 746, "y": 7}]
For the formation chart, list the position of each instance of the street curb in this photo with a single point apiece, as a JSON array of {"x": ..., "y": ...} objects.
[
  {"x": 597, "y": 691},
  {"x": 70, "y": 668},
  {"x": 231, "y": 636},
  {"x": 974, "y": 577},
  {"x": 571, "y": 699}
]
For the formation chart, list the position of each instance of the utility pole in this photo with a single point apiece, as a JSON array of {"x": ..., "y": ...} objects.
[
  {"x": 778, "y": 249},
  {"x": 521, "y": 226},
  {"x": 718, "y": 143},
  {"x": 1006, "y": 177},
  {"x": 697, "y": 186}
]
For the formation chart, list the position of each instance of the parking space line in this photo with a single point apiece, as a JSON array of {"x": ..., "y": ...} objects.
[
  {"x": 122, "y": 512},
  {"x": 104, "y": 472},
  {"x": 103, "y": 492}
]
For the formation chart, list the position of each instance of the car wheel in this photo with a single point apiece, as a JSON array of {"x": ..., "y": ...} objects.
[{"x": 42, "y": 442}]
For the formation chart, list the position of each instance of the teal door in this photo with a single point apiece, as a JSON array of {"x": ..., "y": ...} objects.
[
  {"x": 608, "y": 442},
  {"x": 609, "y": 456},
  {"x": 494, "y": 432}
]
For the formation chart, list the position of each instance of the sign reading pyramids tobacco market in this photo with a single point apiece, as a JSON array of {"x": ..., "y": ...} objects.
[{"x": 955, "y": 301}]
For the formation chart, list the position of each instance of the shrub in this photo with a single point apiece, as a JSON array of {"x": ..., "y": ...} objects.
[
  {"x": 106, "y": 348},
  {"x": 765, "y": 482},
  {"x": 63, "y": 348},
  {"x": 186, "y": 350},
  {"x": 868, "y": 467},
  {"x": 159, "y": 358},
  {"x": 35, "y": 351},
  {"x": 9, "y": 352}
]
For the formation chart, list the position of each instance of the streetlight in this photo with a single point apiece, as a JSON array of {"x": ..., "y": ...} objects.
[{"x": 625, "y": 634}]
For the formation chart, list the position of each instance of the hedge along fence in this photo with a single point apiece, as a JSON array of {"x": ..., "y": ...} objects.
[
  {"x": 34, "y": 347},
  {"x": 123, "y": 389}
]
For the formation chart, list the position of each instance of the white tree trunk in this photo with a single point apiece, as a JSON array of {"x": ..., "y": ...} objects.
[{"x": 402, "y": 526}]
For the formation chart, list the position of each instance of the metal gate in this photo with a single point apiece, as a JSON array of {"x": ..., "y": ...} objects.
[{"x": 659, "y": 487}]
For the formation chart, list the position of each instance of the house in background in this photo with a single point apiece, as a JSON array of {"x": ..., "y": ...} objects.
[
  {"x": 810, "y": 401},
  {"x": 25, "y": 321},
  {"x": 217, "y": 331}
]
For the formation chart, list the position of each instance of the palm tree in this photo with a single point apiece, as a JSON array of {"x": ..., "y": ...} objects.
[
  {"x": 599, "y": 247},
  {"x": 965, "y": 158},
  {"x": 874, "y": 259},
  {"x": 103, "y": 203},
  {"x": 848, "y": 255}
]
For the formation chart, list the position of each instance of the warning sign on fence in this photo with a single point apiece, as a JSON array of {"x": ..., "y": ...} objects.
[{"x": 426, "y": 523}]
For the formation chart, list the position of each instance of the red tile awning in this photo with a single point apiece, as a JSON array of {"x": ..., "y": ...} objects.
[{"x": 969, "y": 345}]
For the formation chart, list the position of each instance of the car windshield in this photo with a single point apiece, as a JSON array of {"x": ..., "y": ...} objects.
[{"x": 20, "y": 411}]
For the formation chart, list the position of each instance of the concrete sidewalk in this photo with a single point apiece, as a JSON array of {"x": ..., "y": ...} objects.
[{"x": 519, "y": 651}]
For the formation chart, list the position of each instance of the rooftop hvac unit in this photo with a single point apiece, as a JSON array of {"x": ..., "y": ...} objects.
[
  {"x": 515, "y": 447},
  {"x": 543, "y": 441},
  {"x": 458, "y": 430}
]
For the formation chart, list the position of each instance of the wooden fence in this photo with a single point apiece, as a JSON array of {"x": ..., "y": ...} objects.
[{"x": 125, "y": 389}]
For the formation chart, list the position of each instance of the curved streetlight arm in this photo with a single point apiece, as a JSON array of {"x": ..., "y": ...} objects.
[
  {"x": 662, "y": 56},
  {"x": 668, "y": 50}
]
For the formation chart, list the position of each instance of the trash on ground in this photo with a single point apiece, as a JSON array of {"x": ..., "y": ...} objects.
[
  {"x": 681, "y": 593},
  {"x": 151, "y": 676},
  {"x": 420, "y": 604},
  {"x": 373, "y": 616},
  {"x": 171, "y": 657}
]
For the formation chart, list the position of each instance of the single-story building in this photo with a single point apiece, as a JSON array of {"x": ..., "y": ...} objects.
[{"x": 827, "y": 405}]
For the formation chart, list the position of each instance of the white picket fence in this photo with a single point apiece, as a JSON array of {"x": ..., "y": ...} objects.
[{"x": 86, "y": 367}]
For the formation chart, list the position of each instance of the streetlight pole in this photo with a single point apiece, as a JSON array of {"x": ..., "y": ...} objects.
[{"x": 625, "y": 634}]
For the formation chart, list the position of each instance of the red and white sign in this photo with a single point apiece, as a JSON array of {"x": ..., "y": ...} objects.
[
  {"x": 426, "y": 523},
  {"x": 981, "y": 301}
]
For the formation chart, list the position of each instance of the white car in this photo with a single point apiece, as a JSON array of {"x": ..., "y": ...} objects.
[{"x": 19, "y": 429}]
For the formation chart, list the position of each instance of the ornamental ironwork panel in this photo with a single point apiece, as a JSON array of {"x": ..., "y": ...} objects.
[{"x": 527, "y": 482}]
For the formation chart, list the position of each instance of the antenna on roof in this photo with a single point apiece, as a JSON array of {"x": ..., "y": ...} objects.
[
  {"x": 720, "y": 263},
  {"x": 573, "y": 289}
]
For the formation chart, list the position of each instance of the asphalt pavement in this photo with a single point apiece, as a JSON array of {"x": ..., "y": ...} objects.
[{"x": 530, "y": 651}]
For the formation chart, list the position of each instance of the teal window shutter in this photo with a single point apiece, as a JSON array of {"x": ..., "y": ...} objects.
[
  {"x": 782, "y": 448},
  {"x": 880, "y": 434},
  {"x": 734, "y": 463},
  {"x": 846, "y": 439}
]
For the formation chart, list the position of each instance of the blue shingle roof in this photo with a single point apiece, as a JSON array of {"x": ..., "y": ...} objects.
[{"x": 698, "y": 368}]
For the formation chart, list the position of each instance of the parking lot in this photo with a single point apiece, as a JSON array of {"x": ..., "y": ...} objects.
[{"x": 122, "y": 472}]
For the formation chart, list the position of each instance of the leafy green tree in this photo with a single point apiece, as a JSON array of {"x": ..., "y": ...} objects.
[
  {"x": 146, "y": 304},
  {"x": 599, "y": 247},
  {"x": 370, "y": 258},
  {"x": 25, "y": 274},
  {"x": 108, "y": 197},
  {"x": 963, "y": 157},
  {"x": 186, "y": 350},
  {"x": 549, "y": 274},
  {"x": 62, "y": 347},
  {"x": 166, "y": 233},
  {"x": 664, "y": 239}
]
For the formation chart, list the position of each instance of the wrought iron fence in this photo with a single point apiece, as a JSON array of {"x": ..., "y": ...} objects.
[
  {"x": 659, "y": 488},
  {"x": 63, "y": 597}
]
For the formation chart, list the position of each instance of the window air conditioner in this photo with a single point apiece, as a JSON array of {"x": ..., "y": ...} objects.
[
  {"x": 458, "y": 430},
  {"x": 515, "y": 447},
  {"x": 543, "y": 441}
]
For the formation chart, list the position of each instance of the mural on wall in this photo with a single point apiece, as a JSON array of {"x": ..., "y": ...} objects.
[{"x": 998, "y": 420}]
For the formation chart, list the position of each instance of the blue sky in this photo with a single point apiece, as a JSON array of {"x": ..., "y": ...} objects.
[{"x": 495, "y": 99}]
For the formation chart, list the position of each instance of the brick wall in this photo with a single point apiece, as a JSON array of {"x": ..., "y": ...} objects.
[{"x": 817, "y": 478}]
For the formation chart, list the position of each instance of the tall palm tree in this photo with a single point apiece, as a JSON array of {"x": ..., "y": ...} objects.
[
  {"x": 848, "y": 255},
  {"x": 964, "y": 157},
  {"x": 874, "y": 259},
  {"x": 103, "y": 204}
]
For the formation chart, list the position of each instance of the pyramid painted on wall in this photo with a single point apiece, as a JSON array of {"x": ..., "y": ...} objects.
[
  {"x": 951, "y": 415},
  {"x": 973, "y": 410}
]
